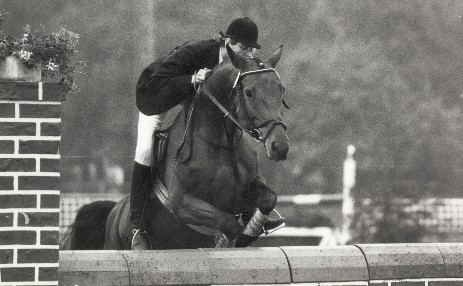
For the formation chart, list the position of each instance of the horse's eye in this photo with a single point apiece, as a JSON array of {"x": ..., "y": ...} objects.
[
  {"x": 285, "y": 104},
  {"x": 248, "y": 93}
]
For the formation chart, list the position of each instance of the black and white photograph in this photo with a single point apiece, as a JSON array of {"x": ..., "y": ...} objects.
[{"x": 213, "y": 142}]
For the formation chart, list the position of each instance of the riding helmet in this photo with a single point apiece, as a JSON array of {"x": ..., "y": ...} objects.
[{"x": 245, "y": 31}]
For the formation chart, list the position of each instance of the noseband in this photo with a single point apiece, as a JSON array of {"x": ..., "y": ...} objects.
[{"x": 254, "y": 131}]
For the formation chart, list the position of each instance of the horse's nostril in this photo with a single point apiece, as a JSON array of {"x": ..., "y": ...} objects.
[
  {"x": 274, "y": 146},
  {"x": 280, "y": 150}
]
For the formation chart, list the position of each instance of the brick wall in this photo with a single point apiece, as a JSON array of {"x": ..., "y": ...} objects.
[{"x": 30, "y": 129}]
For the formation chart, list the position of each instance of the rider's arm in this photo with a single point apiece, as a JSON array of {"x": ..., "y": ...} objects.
[
  {"x": 165, "y": 84},
  {"x": 176, "y": 74}
]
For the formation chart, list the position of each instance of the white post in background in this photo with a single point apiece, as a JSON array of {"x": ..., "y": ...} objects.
[
  {"x": 348, "y": 181},
  {"x": 144, "y": 35}
]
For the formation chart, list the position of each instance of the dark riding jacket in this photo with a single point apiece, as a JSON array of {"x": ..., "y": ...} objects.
[{"x": 167, "y": 82}]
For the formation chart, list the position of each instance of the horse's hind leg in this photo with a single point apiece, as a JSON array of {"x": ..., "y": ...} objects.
[{"x": 118, "y": 227}]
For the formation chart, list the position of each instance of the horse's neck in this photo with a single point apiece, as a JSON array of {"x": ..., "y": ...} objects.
[
  {"x": 209, "y": 119},
  {"x": 210, "y": 123}
]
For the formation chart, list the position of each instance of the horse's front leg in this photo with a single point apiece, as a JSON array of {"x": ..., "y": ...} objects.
[
  {"x": 261, "y": 196},
  {"x": 198, "y": 212}
]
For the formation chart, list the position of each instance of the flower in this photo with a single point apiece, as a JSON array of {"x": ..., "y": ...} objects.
[
  {"x": 25, "y": 55},
  {"x": 52, "y": 66}
]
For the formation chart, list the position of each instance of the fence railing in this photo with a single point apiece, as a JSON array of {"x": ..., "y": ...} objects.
[{"x": 443, "y": 215}]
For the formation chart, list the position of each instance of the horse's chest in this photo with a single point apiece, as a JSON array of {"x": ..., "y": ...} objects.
[
  {"x": 224, "y": 178},
  {"x": 215, "y": 176},
  {"x": 216, "y": 182}
]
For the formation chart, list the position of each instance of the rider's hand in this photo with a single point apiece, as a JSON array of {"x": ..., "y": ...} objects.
[{"x": 200, "y": 76}]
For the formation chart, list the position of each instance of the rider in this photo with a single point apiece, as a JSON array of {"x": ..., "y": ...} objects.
[{"x": 166, "y": 83}]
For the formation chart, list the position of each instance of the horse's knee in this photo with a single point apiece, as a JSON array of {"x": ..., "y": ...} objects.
[{"x": 266, "y": 200}]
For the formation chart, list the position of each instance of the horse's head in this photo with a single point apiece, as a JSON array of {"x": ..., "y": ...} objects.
[{"x": 259, "y": 102}]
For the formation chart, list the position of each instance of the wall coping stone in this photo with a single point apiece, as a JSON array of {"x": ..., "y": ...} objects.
[
  {"x": 32, "y": 91},
  {"x": 403, "y": 261},
  {"x": 255, "y": 265},
  {"x": 91, "y": 268},
  {"x": 452, "y": 255},
  {"x": 324, "y": 264}
]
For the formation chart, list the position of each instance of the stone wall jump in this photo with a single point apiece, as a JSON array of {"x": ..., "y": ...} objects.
[{"x": 376, "y": 265}]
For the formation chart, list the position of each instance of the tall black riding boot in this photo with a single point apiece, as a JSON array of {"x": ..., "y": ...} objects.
[{"x": 138, "y": 196}]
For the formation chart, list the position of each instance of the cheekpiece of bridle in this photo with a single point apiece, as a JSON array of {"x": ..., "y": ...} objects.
[{"x": 254, "y": 132}]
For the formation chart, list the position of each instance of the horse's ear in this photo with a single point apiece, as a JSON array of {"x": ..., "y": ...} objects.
[
  {"x": 238, "y": 61},
  {"x": 275, "y": 57}
]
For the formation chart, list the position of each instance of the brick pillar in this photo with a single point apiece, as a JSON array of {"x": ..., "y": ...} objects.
[{"x": 30, "y": 134}]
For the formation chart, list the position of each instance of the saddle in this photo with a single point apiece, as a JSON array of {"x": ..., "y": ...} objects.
[{"x": 161, "y": 141}]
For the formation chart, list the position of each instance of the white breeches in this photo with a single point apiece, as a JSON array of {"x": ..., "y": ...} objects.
[{"x": 146, "y": 127}]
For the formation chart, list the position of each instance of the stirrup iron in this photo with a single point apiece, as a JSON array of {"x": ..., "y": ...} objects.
[
  {"x": 139, "y": 231},
  {"x": 269, "y": 231}
]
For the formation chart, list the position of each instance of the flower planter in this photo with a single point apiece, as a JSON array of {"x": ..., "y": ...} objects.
[
  {"x": 52, "y": 76},
  {"x": 12, "y": 69},
  {"x": 51, "y": 54}
]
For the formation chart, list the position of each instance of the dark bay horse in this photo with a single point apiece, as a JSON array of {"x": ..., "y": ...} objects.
[{"x": 209, "y": 175}]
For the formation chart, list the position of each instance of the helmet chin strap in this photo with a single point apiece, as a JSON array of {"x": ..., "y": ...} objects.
[{"x": 223, "y": 54}]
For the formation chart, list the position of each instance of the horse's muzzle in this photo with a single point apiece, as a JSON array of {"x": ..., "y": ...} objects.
[{"x": 277, "y": 144}]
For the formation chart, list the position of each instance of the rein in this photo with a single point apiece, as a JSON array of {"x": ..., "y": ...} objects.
[{"x": 254, "y": 131}]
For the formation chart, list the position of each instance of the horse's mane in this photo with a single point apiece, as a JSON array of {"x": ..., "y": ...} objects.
[
  {"x": 227, "y": 61},
  {"x": 227, "y": 64}
]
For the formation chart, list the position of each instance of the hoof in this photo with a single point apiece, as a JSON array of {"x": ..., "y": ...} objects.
[
  {"x": 244, "y": 240},
  {"x": 274, "y": 224}
]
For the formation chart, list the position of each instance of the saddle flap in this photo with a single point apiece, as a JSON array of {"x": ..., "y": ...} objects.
[
  {"x": 161, "y": 192},
  {"x": 160, "y": 144}
]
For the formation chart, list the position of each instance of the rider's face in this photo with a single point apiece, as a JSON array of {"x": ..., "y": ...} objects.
[{"x": 242, "y": 49}]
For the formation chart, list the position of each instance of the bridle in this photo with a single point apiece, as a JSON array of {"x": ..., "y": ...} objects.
[{"x": 254, "y": 130}]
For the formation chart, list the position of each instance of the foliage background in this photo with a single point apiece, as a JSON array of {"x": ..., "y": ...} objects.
[{"x": 386, "y": 76}]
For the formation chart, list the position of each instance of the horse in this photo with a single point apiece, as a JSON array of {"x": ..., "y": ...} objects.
[{"x": 206, "y": 188}]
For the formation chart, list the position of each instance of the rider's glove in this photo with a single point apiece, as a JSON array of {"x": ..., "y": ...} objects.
[{"x": 200, "y": 76}]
